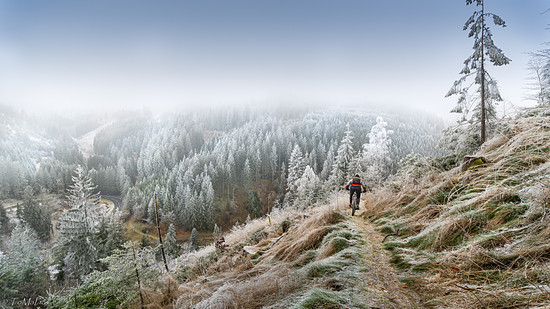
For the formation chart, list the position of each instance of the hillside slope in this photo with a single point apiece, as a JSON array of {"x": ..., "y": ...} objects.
[
  {"x": 320, "y": 258},
  {"x": 325, "y": 259},
  {"x": 476, "y": 237}
]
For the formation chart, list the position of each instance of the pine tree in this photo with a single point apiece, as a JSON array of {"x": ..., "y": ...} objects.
[
  {"x": 344, "y": 156},
  {"x": 173, "y": 249},
  {"x": 118, "y": 286},
  {"x": 376, "y": 153},
  {"x": 295, "y": 168},
  {"x": 247, "y": 174},
  {"x": 6, "y": 279},
  {"x": 77, "y": 245},
  {"x": 206, "y": 204},
  {"x": 194, "y": 239},
  {"x": 4, "y": 220},
  {"x": 29, "y": 274},
  {"x": 307, "y": 187},
  {"x": 474, "y": 66},
  {"x": 31, "y": 214},
  {"x": 253, "y": 203}
]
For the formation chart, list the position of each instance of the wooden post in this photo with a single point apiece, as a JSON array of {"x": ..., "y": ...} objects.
[{"x": 160, "y": 236}]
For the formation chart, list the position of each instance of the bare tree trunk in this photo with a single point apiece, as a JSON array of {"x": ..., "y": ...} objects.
[
  {"x": 160, "y": 236},
  {"x": 483, "y": 109},
  {"x": 138, "y": 280}
]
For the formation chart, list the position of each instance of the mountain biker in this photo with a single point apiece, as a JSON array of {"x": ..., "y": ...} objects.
[{"x": 355, "y": 185}]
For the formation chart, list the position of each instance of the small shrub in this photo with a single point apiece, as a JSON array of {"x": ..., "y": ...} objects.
[
  {"x": 257, "y": 236},
  {"x": 285, "y": 225},
  {"x": 185, "y": 273}
]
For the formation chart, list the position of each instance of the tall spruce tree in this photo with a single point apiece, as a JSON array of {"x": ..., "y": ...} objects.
[
  {"x": 77, "y": 249},
  {"x": 173, "y": 249},
  {"x": 194, "y": 239},
  {"x": 482, "y": 106},
  {"x": 29, "y": 275},
  {"x": 295, "y": 168},
  {"x": 344, "y": 156},
  {"x": 4, "y": 220},
  {"x": 31, "y": 214},
  {"x": 376, "y": 153}
]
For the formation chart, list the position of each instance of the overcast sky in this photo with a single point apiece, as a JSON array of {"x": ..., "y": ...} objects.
[{"x": 178, "y": 53}]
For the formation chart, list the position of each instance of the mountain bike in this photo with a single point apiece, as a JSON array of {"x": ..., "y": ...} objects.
[{"x": 354, "y": 203}]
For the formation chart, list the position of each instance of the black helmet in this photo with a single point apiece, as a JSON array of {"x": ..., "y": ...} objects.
[{"x": 357, "y": 175}]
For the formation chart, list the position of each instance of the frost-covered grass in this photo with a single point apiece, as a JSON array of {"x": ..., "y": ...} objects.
[
  {"x": 479, "y": 238},
  {"x": 319, "y": 262}
]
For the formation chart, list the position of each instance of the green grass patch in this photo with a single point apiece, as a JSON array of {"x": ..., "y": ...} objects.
[
  {"x": 325, "y": 299},
  {"x": 306, "y": 258},
  {"x": 339, "y": 244},
  {"x": 399, "y": 261},
  {"x": 509, "y": 212},
  {"x": 324, "y": 267},
  {"x": 386, "y": 229},
  {"x": 422, "y": 241},
  {"x": 352, "y": 254},
  {"x": 439, "y": 197}
]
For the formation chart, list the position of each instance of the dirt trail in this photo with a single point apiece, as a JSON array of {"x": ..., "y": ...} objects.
[{"x": 381, "y": 276}]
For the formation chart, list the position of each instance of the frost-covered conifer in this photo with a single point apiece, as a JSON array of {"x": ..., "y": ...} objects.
[
  {"x": 247, "y": 174},
  {"x": 376, "y": 153},
  {"x": 481, "y": 107},
  {"x": 206, "y": 204},
  {"x": 4, "y": 220},
  {"x": 344, "y": 156},
  {"x": 194, "y": 239},
  {"x": 31, "y": 214},
  {"x": 308, "y": 187},
  {"x": 173, "y": 249},
  {"x": 253, "y": 203},
  {"x": 77, "y": 247},
  {"x": 24, "y": 260},
  {"x": 295, "y": 168}
]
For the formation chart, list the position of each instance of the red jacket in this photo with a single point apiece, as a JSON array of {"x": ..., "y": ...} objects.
[{"x": 355, "y": 185}]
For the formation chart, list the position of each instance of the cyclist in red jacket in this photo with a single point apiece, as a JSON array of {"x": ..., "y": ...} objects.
[{"x": 355, "y": 185}]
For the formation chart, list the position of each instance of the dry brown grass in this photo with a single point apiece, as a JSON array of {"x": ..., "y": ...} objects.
[
  {"x": 307, "y": 235},
  {"x": 385, "y": 201},
  {"x": 260, "y": 290},
  {"x": 291, "y": 248},
  {"x": 328, "y": 249},
  {"x": 163, "y": 295},
  {"x": 233, "y": 281},
  {"x": 426, "y": 214}
]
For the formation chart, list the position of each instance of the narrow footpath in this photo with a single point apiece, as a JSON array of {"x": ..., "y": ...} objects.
[{"x": 381, "y": 276}]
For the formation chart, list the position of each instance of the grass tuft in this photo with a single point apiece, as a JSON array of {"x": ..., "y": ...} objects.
[{"x": 322, "y": 299}]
